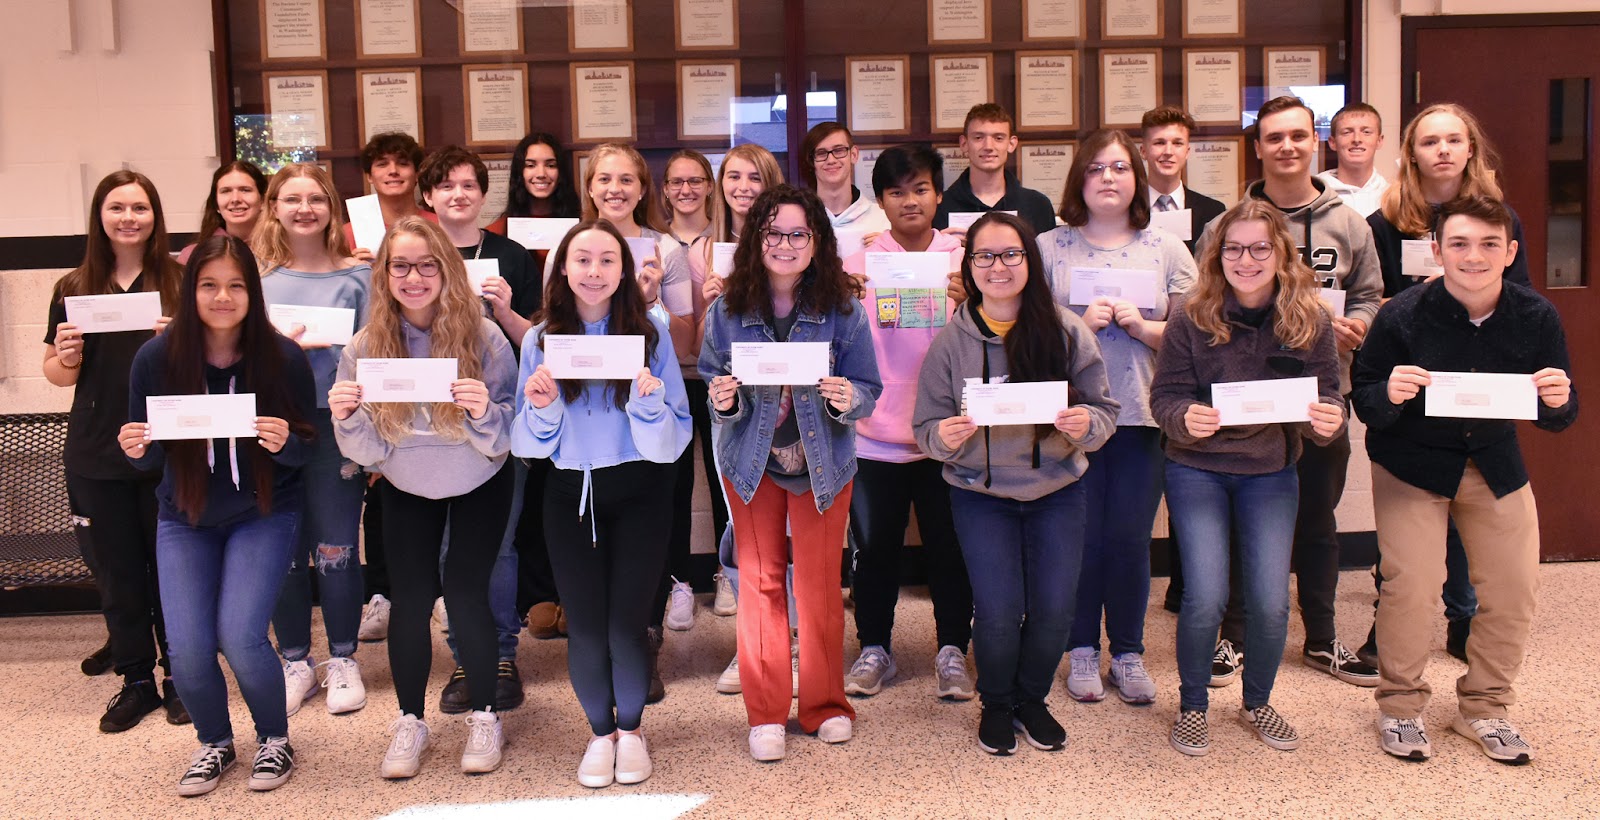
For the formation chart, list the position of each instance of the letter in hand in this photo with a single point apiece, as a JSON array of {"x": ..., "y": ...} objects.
[
  {"x": 363, "y": 255},
  {"x": 471, "y": 395},
  {"x": 297, "y": 334},
  {"x": 647, "y": 383},
  {"x": 541, "y": 388},
  {"x": 1202, "y": 420},
  {"x": 955, "y": 431},
  {"x": 343, "y": 399},
  {"x": 497, "y": 292},
  {"x": 1326, "y": 418},
  {"x": 1405, "y": 381},
  {"x": 1555, "y": 388},
  {"x": 1074, "y": 422},
  {"x": 133, "y": 438}
]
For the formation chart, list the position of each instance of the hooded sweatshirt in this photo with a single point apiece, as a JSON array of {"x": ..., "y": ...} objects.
[
  {"x": 1009, "y": 461},
  {"x": 1336, "y": 243},
  {"x": 863, "y": 215}
]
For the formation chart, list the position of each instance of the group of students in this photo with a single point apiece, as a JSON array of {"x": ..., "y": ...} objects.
[{"x": 1035, "y": 534}]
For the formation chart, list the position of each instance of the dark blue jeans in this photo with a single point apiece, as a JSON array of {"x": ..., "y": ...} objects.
[
  {"x": 328, "y": 539},
  {"x": 1261, "y": 510},
  {"x": 218, "y": 588},
  {"x": 1122, "y": 490},
  {"x": 1023, "y": 559}
]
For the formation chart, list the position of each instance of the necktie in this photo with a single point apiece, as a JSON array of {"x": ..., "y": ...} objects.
[{"x": 1165, "y": 203}]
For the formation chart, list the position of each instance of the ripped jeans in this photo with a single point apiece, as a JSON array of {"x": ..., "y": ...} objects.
[{"x": 329, "y": 528}]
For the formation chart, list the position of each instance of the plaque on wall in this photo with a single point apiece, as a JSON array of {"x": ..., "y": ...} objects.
[
  {"x": 1047, "y": 91},
  {"x": 958, "y": 21},
  {"x": 706, "y": 89},
  {"x": 1213, "y": 18},
  {"x": 878, "y": 94},
  {"x": 297, "y": 102},
  {"x": 500, "y": 182},
  {"x": 706, "y": 24},
  {"x": 490, "y": 27},
  {"x": 1216, "y": 168},
  {"x": 955, "y": 163},
  {"x": 1288, "y": 66},
  {"x": 600, "y": 25},
  {"x": 388, "y": 28},
  {"x": 1130, "y": 84},
  {"x": 1044, "y": 167},
  {"x": 293, "y": 30},
  {"x": 603, "y": 102},
  {"x": 1132, "y": 19},
  {"x": 958, "y": 82},
  {"x": 1213, "y": 85},
  {"x": 390, "y": 99},
  {"x": 496, "y": 103},
  {"x": 1052, "y": 20}
]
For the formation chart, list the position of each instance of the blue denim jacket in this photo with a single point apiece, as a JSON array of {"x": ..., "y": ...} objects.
[{"x": 828, "y": 437}]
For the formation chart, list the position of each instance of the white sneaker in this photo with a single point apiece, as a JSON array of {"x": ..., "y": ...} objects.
[
  {"x": 681, "y": 607},
  {"x": 441, "y": 617},
  {"x": 724, "y": 604},
  {"x": 766, "y": 742},
  {"x": 1131, "y": 679},
  {"x": 599, "y": 766},
  {"x": 1083, "y": 679},
  {"x": 341, "y": 677},
  {"x": 633, "y": 758},
  {"x": 872, "y": 670},
  {"x": 836, "y": 729},
  {"x": 728, "y": 681},
  {"x": 299, "y": 684},
  {"x": 485, "y": 739},
  {"x": 950, "y": 670},
  {"x": 374, "y": 620},
  {"x": 404, "y": 758}
]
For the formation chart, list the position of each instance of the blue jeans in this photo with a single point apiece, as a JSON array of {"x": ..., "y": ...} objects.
[
  {"x": 1460, "y": 597},
  {"x": 1122, "y": 489},
  {"x": 503, "y": 578},
  {"x": 1261, "y": 509},
  {"x": 329, "y": 534},
  {"x": 218, "y": 588},
  {"x": 1023, "y": 558}
]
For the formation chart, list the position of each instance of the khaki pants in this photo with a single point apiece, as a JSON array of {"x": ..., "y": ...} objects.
[{"x": 1501, "y": 536}]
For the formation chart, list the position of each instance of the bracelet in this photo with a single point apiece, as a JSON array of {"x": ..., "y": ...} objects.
[{"x": 70, "y": 366}]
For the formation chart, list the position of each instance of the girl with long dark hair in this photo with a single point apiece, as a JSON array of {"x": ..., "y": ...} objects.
[
  {"x": 542, "y": 181},
  {"x": 238, "y": 191}
]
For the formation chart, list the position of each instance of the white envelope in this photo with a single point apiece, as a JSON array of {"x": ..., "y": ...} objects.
[
  {"x": 479, "y": 270},
  {"x": 1416, "y": 259},
  {"x": 324, "y": 325},
  {"x": 1141, "y": 287},
  {"x": 964, "y": 219},
  {"x": 594, "y": 357},
  {"x": 722, "y": 258},
  {"x": 912, "y": 269},
  {"x": 991, "y": 405},
  {"x": 1334, "y": 299},
  {"x": 780, "y": 362},
  {"x": 366, "y": 221},
  {"x": 643, "y": 248},
  {"x": 405, "y": 380},
  {"x": 538, "y": 234},
  {"x": 203, "y": 416},
  {"x": 114, "y": 312},
  {"x": 851, "y": 241},
  {"x": 1481, "y": 396},
  {"x": 1265, "y": 401},
  {"x": 1176, "y": 222}
]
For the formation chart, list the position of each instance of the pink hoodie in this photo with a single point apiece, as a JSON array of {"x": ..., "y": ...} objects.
[{"x": 904, "y": 323}]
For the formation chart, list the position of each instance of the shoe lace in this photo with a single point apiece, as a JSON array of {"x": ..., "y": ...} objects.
[
  {"x": 1226, "y": 653},
  {"x": 205, "y": 761},
  {"x": 1133, "y": 668},
  {"x": 869, "y": 663},
  {"x": 407, "y": 733},
  {"x": 273, "y": 754},
  {"x": 1501, "y": 729},
  {"x": 1086, "y": 665},
  {"x": 480, "y": 730},
  {"x": 335, "y": 673},
  {"x": 127, "y": 691},
  {"x": 952, "y": 663},
  {"x": 767, "y": 731},
  {"x": 682, "y": 594}
]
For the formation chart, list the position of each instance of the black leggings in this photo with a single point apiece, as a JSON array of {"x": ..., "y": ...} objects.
[
  {"x": 607, "y": 577},
  {"x": 413, "y": 529},
  {"x": 679, "y": 562},
  {"x": 122, "y": 536}
]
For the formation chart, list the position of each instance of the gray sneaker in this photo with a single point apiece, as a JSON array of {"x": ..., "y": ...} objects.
[
  {"x": 1500, "y": 740},
  {"x": 870, "y": 672},
  {"x": 950, "y": 668},
  {"x": 1132, "y": 682},
  {"x": 1404, "y": 737},
  {"x": 1083, "y": 675}
]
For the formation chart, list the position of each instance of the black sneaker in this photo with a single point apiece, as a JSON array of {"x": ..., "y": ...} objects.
[
  {"x": 1341, "y": 663},
  {"x": 1038, "y": 727},
  {"x": 274, "y": 763},
  {"x": 455, "y": 700},
  {"x": 508, "y": 693},
  {"x": 658, "y": 690},
  {"x": 130, "y": 705},
  {"x": 1225, "y": 664},
  {"x": 206, "y": 769},
  {"x": 98, "y": 663},
  {"x": 177, "y": 715},
  {"x": 995, "y": 733},
  {"x": 1456, "y": 635}
]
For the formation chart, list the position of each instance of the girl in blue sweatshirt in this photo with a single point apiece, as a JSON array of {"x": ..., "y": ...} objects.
[{"x": 607, "y": 504}]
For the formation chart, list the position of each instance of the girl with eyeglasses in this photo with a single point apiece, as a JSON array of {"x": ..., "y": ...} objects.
[
  {"x": 787, "y": 454},
  {"x": 306, "y": 261},
  {"x": 446, "y": 463},
  {"x": 828, "y": 157},
  {"x": 1254, "y": 314},
  {"x": 1107, "y": 211}
]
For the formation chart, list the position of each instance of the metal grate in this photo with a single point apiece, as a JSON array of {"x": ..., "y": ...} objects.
[{"x": 37, "y": 545}]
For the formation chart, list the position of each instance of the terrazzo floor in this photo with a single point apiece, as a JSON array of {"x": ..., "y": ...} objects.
[{"x": 913, "y": 756}]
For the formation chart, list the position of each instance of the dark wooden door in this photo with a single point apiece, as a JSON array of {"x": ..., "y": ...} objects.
[{"x": 1536, "y": 88}]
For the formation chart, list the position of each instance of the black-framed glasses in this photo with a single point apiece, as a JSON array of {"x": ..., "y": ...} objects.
[
  {"x": 400, "y": 269},
  {"x": 1260, "y": 251},
  {"x": 1010, "y": 258},
  {"x": 821, "y": 154},
  {"x": 1118, "y": 168},
  {"x": 797, "y": 239},
  {"x": 678, "y": 184}
]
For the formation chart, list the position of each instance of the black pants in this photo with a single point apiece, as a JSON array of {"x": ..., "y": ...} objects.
[
  {"x": 122, "y": 536},
  {"x": 377, "y": 559},
  {"x": 678, "y": 549},
  {"x": 413, "y": 529},
  {"x": 879, "y": 510},
  {"x": 607, "y": 563},
  {"x": 536, "y": 583},
  {"x": 1316, "y": 535}
]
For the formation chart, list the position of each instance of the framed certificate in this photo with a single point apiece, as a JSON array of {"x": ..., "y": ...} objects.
[
  {"x": 388, "y": 28},
  {"x": 958, "y": 21},
  {"x": 1132, "y": 19},
  {"x": 1216, "y": 167},
  {"x": 1213, "y": 18},
  {"x": 1130, "y": 84},
  {"x": 1047, "y": 91},
  {"x": 490, "y": 27},
  {"x": 580, "y": 162},
  {"x": 390, "y": 100},
  {"x": 297, "y": 102},
  {"x": 706, "y": 24},
  {"x": 293, "y": 30},
  {"x": 1213, "y": 85},
  {"x": 1051, "y": 20},
  {"x": 958, "y": 81},
  {"x": 496, "y": 103},
  {"x": 1285, "y": 67},
  {"x": 706, "y": 89},
  {"x": 500, "y": 182},
  {"x": 600, "y": 25},
  {"x": 602, "y": 102},
  {"x": 878, "y": 94},
  {"x": 955, "y": 162},
  {"x": 1044, "y": 166}
]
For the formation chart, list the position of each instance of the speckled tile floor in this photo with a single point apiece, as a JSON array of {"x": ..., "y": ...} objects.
[{"x": 913, "y": 756}]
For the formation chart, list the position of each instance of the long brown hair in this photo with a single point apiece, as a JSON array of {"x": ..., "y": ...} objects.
[
  {"x": 1298, "y": 315},
  {"x": 629, "y": 314},
  {"x": 212, "y": 221},
  {"x": 771, "y": 176},
  {"x": 1404, "y": 205},
  {"x": 96, "y": 274},
  {"x": 269, "y": 242},
  {"x": 456, "y": 332},
  {"x": 824, "y": 287},
  {"x": 647, "y": 213},
  {"x": 261, "y": 363},
  {"x": 1074, "y": 210}
]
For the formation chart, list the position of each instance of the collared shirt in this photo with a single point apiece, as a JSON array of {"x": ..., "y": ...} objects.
[
  {"x": 1177, "y": 198},
  {"x": 1032, "y": 206},
  {"x": 1425, "y": 326}
]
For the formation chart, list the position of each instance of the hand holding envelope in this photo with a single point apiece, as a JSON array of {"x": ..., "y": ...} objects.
[
  {"x": 366, "y": 222},
  {"x": 1481, "y": 395}
]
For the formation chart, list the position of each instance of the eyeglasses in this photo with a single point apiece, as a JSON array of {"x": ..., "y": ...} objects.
[
  {"x": 316, "y": 201},
  {"x": 400, "y": 269},
  {"x": 677, "y": 184},
  {"x": 1260, "y": 251},
  {"x": 1011, "y": 258},
  {"x": 797, "y": 239},
  {"x": 822, "y": 154},
  {"x": 1118, "y": 168}
]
